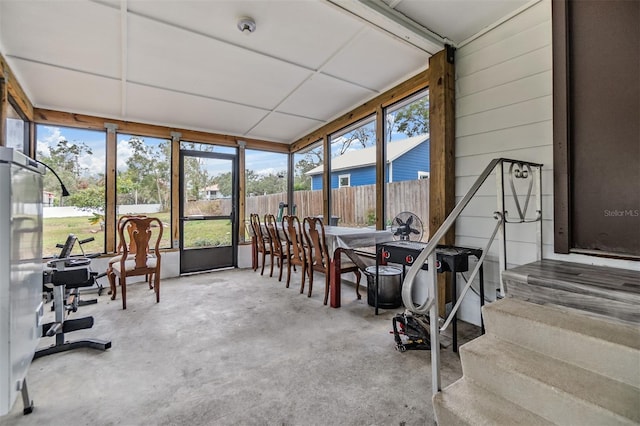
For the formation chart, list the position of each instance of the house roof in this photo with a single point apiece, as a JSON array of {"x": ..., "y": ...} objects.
[
  {"x": 367, "y": 156},
  {"x": 212, "y": 188}
]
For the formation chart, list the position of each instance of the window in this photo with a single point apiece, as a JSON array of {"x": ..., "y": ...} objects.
[
  {"x": 143, "y": 182},
  {"x": 17, "y": 129},
  {"x": 78, "y": 157},
  {"x": 353, "y": 154},
  {"x": 308, "y": 168},
  {"x": 407, "y": 157},
  {"x": 266, "y": 181}
]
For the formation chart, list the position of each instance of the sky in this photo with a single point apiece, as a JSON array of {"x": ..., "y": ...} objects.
[{"x": 261, "y": 162}]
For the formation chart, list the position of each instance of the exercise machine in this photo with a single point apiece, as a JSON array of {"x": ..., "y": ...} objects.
[{"x": 66, "y": 276}]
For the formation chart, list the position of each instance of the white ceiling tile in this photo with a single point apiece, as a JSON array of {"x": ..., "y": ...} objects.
[
  {"x": 157, "y": 106},
  {"x": 72, "y": 34},
  {"x": 376, "y": 60},
  {"x": 65, "y": 90},
  {"x": 180, "y": 60},
  {"x": 302, "y": 32},
  {"x": 460, "y": 19},
  {"x": 320, "y": 97},
  {"x": 283, "y": 128}
]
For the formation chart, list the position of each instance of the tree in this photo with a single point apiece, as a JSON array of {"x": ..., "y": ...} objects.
[
  {"x": 413, "y": 119},
  {"x": 146, "y": 178},
  {"x": 363, "y": 136},
  {"x": 64, "y": 159}
]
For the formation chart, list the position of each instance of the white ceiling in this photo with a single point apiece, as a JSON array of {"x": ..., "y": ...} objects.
[{"x": 185, "y": 64}]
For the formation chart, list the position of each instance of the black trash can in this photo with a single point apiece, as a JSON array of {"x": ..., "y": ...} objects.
[{"x": 389, "y": 286}]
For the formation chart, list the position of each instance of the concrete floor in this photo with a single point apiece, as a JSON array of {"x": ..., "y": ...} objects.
[{"x": 232, "y": 347}]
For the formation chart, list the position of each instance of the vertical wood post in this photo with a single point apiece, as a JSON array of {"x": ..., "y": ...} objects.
[
  {"x": 326, "y": 180},
  {"x": 380, "y": 167},
  {"x": 110, "y": 213},
  {"x": 175, "y": 189},
  {"x": 442, "y": 144},
  {"x": 242, "y": 190},
  {"x": 4, "y": 103}
]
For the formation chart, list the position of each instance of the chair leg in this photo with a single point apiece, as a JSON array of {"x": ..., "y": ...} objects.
[
  {"x": 281, "y": 262},
  {"x": 326, "y": 286},
  {"x": 156, "y": 286},
  {"x": 288, "y": 274},
  {"x": 149, "y": 279},
  {"x": 111, "y": 276},
  {"x": 271, "y": 271},
  {"x": 302, "y": 282},
  {"x": 123, "y": 289},
  {"x": 310, "y": 281},
  {"x": 358, "y": 276},
  {"x": 264, "y": 258}
]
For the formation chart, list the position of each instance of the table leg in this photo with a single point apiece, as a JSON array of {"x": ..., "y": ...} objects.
[{"x": 334, "y": 280}]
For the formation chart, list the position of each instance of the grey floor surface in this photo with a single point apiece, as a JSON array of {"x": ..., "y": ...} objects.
[{"x": 232, "y": 347}]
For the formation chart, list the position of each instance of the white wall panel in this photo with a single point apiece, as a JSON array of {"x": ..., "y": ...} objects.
[{"x": 503, "y": 109}]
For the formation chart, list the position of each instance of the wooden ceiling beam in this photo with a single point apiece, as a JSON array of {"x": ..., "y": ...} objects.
[
  {"x": 60, "y": 118},
  {"x": 15, "y": 90}
]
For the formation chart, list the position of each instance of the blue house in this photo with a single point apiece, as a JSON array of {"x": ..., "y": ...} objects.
[{"x": 407, "y": 159}]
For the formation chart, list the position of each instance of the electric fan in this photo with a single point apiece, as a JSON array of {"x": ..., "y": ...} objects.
[{"x": 406, "y": 226}]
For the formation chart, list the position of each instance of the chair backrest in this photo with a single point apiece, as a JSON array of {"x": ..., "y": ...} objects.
[
  {"x": 293, "y": 233},
  {"x": 141, "y": 233},
  {"x": 257, "y": 230},
  {"x": 130, "y": 227},
  {"x": 314, "y": 234},
  {"x": 272, "y": 228}
]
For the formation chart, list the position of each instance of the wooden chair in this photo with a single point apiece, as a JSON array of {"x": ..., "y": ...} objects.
[
  {"x": 296, "y": 254},
  {"x": 279, "y": 252},
  {"x": 132, "y": 248},
  {"x": 263, "y": 244},
  {"x": 318, "y": 256},
  {"x": 138, "y": 231}
]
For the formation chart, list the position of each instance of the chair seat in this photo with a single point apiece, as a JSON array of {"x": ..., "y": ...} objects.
[{"x": 130, "y": 265}]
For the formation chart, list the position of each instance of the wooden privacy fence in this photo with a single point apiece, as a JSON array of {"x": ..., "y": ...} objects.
[{"x": 355, "y": 206}]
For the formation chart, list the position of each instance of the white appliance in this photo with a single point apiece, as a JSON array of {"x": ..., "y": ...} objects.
[{"x": 21, "y": 307}]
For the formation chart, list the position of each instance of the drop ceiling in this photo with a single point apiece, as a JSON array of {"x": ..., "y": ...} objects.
[{"x": 186, "y": 64}]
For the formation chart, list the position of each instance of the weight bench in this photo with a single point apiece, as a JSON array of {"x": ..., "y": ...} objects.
[{"x": 68, "y": 282}]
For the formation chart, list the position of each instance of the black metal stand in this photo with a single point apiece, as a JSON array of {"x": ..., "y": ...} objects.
[{"x": 452, "y": 259}]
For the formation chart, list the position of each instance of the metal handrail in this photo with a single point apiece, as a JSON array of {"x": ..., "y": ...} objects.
[{"x": 428, "y": 254}]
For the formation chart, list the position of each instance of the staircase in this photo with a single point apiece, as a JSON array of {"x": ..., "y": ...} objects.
[{"x": 543, "y": 365}]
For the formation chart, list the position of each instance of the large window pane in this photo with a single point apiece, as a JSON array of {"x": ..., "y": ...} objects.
[
  {"x": 78, "y": 157},
  {"x": 353, "y": 175},
  {"x": 144, "y": 179},
  {"x": 17, "y": 130},
  {"x": 407, "y": 155},
  {"x": 307, "y": 180},
  {"x": 265, "y": 182}
]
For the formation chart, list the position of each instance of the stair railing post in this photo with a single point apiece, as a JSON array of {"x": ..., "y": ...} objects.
[
  {"x": 502, "y": 238},
  {"x": 539, "y": 238},
  {"x": 434, "y": 325}
]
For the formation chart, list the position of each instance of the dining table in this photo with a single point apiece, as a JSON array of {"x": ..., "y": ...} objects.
[{"x": 343, "y": 239}]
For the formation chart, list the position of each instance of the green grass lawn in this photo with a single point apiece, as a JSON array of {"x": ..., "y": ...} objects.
[{"x": 197, "y": 234}]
